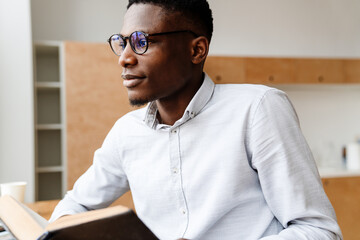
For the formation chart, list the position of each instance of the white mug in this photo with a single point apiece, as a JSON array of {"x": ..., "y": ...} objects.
[{"x": 14, "y": 189}]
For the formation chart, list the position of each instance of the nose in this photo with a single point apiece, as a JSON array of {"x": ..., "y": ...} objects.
[{"x": 128, "y": 57}]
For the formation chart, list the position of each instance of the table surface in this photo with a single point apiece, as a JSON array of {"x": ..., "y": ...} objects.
[{"x": 43, "y": 208}]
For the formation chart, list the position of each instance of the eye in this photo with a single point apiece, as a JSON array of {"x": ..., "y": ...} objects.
[
  {"x": 142, "y": 42},
  {"x": 122, "y": 45}
]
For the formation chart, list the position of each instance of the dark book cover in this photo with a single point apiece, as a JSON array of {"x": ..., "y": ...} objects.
[{"x": 125, "y": 226}]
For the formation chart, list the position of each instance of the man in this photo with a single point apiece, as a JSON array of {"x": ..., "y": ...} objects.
[{"x": 203, "y": 161}]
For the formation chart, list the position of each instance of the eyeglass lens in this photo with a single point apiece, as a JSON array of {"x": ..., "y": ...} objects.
[
  {"x": 117, "y": 44},
  {"x": 137, "y": 40}
]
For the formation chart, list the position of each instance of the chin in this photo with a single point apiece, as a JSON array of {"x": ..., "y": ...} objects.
[
  {"x": 140, "y": 98},
  {"x": 138, "y": 102}
]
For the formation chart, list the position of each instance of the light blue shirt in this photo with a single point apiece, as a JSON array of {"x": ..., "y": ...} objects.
[{"x": 235, "y": 166}]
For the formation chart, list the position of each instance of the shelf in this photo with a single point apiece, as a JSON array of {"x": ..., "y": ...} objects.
[
  {"x": 50, "y": 133},
  {"x": 335, "y": 173},
  {"x": 49, "y": 148},
  {"x": 49, "y": 186},
  {"x": 49, "y": 169},
  {"x": 48, "y": 106},
  {"x": 46, "y": 85},
  {"x": 55, "y": 126},
  {"x": 47, "y": 63}
]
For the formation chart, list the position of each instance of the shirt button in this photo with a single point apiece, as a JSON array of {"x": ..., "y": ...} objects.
[
  {"x": 175, "y": 170},
  {"x": 174, "y": 131},
  {"x": 183, "y": 211}
]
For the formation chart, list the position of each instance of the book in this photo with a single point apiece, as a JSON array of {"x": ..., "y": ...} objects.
[{"x": 116, "y": 222}]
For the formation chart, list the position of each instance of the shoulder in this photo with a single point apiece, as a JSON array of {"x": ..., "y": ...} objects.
[
  {"x": 246, "y": 93},
  {"x": 242, "y": 89},
  {"x": 251, "y": 100}
]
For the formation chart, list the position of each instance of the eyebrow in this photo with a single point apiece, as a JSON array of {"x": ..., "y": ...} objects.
[{"x": 138, "y": 30}]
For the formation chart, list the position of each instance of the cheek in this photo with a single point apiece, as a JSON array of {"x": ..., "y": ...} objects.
[
  {"x": 166, "y": 65},
  {"x": 170, "y": 60},
  {"x": 179, "y": 62}
]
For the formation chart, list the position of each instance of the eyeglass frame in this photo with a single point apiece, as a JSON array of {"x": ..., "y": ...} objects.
[{"x": 146, "y": 37}]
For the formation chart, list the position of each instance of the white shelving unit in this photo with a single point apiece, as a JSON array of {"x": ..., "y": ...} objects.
[{"x": 50, "y": 132}]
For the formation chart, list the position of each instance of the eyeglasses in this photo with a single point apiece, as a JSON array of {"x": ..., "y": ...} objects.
[{"x": 138, "y": 40}]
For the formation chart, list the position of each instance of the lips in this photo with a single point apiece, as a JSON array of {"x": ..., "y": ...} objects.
[{"x": 131, "y": 81}]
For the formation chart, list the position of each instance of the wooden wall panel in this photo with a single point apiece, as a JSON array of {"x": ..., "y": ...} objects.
[
  {"x": 283, "y": 70},
  {"x": 319, "y": 71},
  {"x": 352, "y": 71},
  {"x": 95, "y": 99},
  {"x": 269, "y": 70},
  {"x": 225, "y": 69},
  {"x": 344, "y": 194}
]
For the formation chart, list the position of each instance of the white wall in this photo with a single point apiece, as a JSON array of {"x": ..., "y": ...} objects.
[
  {"x": 16, "y": 95},
  {"x": 329, "y": 117},
  {"x": 328, "y": 28},
  {"x": 311, "y": 28},
  {"x": 295, "y": 28},
  {"x": 77, "y": 20}
]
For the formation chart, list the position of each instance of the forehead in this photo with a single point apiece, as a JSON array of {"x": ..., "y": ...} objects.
[{"x": 146, "y": 17}]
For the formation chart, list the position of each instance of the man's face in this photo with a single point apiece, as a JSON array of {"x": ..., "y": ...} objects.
[{"x": 165, "y": 69}]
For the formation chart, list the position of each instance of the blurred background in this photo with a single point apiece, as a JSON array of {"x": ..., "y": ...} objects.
[{"x": 329, "y": 113}]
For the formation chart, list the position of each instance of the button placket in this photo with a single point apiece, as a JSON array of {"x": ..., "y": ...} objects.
[
  {"x": 182, "y": 211},
  {"x": 175, "y": 169},
  {"x": 174, "y": 154}
]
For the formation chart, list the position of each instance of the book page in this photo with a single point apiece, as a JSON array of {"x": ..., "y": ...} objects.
[
  {"x": 5, "y": 233},
  {"x": 39, "y": 219},
  {"x": 84, "y": 217},
  {"x": 18, "y": 220}
]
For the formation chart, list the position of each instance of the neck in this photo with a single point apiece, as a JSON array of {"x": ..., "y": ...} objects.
[{"x": 172, "y": 108}]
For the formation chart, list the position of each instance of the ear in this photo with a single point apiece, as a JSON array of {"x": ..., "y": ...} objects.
[{"x": 200, "y": 49}]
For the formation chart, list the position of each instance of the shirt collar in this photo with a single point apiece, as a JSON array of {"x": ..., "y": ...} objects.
[{"x": 197, "y": 103}]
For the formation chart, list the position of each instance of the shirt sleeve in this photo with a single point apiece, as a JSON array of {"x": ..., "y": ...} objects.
[
  {"x": 287, "y": 172},
  {"x": 100, "y": 185}
]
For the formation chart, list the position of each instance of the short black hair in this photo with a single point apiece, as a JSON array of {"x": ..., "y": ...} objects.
[{"x": 198, "y": 12}]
